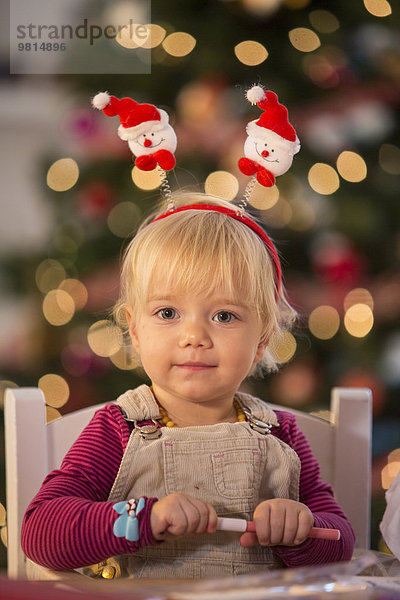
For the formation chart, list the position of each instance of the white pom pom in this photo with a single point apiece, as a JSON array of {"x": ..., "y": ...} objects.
[
  {"x": 101, "y": 100},
  {"x": 255, "y": 94}
]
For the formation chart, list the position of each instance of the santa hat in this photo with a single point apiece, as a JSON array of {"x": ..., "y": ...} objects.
[
  {"x": 275, "y": 117},
  {"x": 136, "y": 119}
]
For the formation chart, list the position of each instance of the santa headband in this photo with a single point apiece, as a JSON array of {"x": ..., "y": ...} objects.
[
  {"x": 268, "y": 150},
  {"x": 275, "y": 117},
  {"x": 136, "y": 119},
  {"x": 238, "y": 216}
]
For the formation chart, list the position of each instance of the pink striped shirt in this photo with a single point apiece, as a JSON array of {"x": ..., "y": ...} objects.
[{"x": 69, "y": 523}]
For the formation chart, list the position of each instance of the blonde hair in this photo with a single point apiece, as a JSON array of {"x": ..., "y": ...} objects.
[{"x": 201, "y": 251}]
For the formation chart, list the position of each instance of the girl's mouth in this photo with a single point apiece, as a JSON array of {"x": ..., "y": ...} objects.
[{"x": 195, "y": 366}]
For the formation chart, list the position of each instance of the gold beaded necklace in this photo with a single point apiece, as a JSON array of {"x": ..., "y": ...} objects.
[{"x": 240, "y": 416}]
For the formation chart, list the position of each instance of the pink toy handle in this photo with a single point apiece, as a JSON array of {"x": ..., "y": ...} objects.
[{"x": 240, "y": 525}]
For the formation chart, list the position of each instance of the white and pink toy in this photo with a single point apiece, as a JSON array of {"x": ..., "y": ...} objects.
[
  {"x": 272, "y": 141},
  {"x": 146, "y": 128}
]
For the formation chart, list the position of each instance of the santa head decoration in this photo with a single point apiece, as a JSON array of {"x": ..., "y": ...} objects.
[
  {"x": 146, "y": 128},
  {"x": 272, "y": 141}
]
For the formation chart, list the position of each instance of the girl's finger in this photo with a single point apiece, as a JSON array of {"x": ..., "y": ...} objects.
[
  {"x": 263, "y": 524},
  {"x": 212, "y": 519},
  {"x": 248, "y": 539},
  {"x": 305, "y": 522},
  {"x": 291, "y": 528},
  {"x": 277, "y": 520}
]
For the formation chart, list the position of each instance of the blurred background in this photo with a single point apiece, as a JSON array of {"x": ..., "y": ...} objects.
[{"x": 70, "y": 199}]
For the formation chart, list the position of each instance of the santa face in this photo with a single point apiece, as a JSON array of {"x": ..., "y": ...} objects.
[
  {"x": 270, "y": 150},
  {"x": 152, "y": 140}
]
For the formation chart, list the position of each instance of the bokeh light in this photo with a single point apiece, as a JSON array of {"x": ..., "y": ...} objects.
[
  {"x": 63, "y": 174},
  {"x": 304, "y": 39},
  {"x": 123, "y": 218},
  {"x": 325, "y": 66},
  {"x": 197, "y": 105},
  {"x": 3, "y": 535},
  {"x": 378, "y": 8},
  {"x": 323, "y": 179},
  {"x": 283, "y": 347},
  {"x": 179, "y": 44},
  {"x": 104, "y": 338},
  {"x": 55, "y": 390},
  {"x": 131, "y": 36},
  {"x": 394, "y": 456},
  {"x": 49, "y": 274},
  {"x": 52, "y": 414},
  {"x": 147, "y": 180},
  {"x": 140, "y": 36},
  {"x": 389, "y": 158},
  {"x": 324, "y": 21},
  {"x": 358, "y": 296},
  {"x": 155, "y": 37},
  {"x": 222, "y": 184},
  {"x": 126, "y": 358},
  {"x": 295, "y": 385},
  {"x": 261, "y": 8},
  {"x": 351, "y": 166},
  {"x": 58, "y": 307},
  {"x": 2, "y": 515},
  {"x": 77, "y": 290},
  {"x": 65, "y": 243},
  {"x": 390, "y": 471},
  {"x": 303, "y": 214},
  {"x": 251, "y": 53},
  {"x": 358, "y": 320},
  {"x": 279, "y": 215},
  {"x": 324, "y": 322},
  {"x": 264, "y": 198}
]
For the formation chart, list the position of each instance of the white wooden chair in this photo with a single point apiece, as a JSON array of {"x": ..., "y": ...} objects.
[{"x": 342, "y": 446}]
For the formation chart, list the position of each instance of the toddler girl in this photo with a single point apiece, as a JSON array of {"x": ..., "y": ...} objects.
[{"x": 201, "y": 298}]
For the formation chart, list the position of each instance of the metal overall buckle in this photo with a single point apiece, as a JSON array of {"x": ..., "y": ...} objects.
[
  {"x": 147, "y": 431},
  {"x": 256, "y": 424}
]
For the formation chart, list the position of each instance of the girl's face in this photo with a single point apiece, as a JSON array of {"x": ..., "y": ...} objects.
[{"x": 197, "y": 348}]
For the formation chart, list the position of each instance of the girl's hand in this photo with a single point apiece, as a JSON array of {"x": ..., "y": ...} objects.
[
  {"x": 279, "y": 521},
  {"x": 179, "y": 514}
]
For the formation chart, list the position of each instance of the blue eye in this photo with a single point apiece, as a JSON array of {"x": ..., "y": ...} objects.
[
  {"x": 167, "y": 313},
  {"x": 224, "y": 317}
]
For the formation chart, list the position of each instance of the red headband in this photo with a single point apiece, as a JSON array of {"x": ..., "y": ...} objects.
[{"x": 243, "y": 219}]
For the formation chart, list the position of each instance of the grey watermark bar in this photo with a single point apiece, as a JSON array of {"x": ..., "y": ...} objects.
[{"x": 66, "y": 37}]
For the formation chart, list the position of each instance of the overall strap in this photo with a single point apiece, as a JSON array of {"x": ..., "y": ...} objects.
[
  {"x": 258, "y": 408},
  {"x": 139, "y": 404}
]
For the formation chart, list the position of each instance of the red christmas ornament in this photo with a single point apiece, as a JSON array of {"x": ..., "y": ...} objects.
[
  {"x": 95, "y": 200},
  {"x": 337, "y": 261}
]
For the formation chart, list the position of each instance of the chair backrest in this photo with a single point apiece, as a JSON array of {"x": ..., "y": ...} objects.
[{"x": 33, "y": 449}]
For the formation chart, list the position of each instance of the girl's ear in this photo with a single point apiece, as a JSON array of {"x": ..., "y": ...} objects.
[
  {"x": 260, "y": 351},
  {"x": 132, "y": 329},
  {"x": 262, "y": 344}
]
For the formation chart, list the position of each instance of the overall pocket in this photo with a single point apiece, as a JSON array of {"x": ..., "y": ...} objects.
[
  {"x": 226, "y": 473},
  {"x": 237, "y": 474}
]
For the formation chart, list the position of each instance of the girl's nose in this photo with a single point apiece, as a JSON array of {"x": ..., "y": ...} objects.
[
  {"x": 147, "y": 143},
  {"x": 194, "y": 334},
  {"x": 265, "y": 153}
]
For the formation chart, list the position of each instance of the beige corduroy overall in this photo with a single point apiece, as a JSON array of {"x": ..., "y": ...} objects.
[{"x": 230, "y": 465}]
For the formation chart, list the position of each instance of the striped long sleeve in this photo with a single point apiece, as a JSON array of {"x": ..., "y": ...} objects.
[
  {"x": 69, "y": 523},
  {"x": 318, "y": 496}
]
